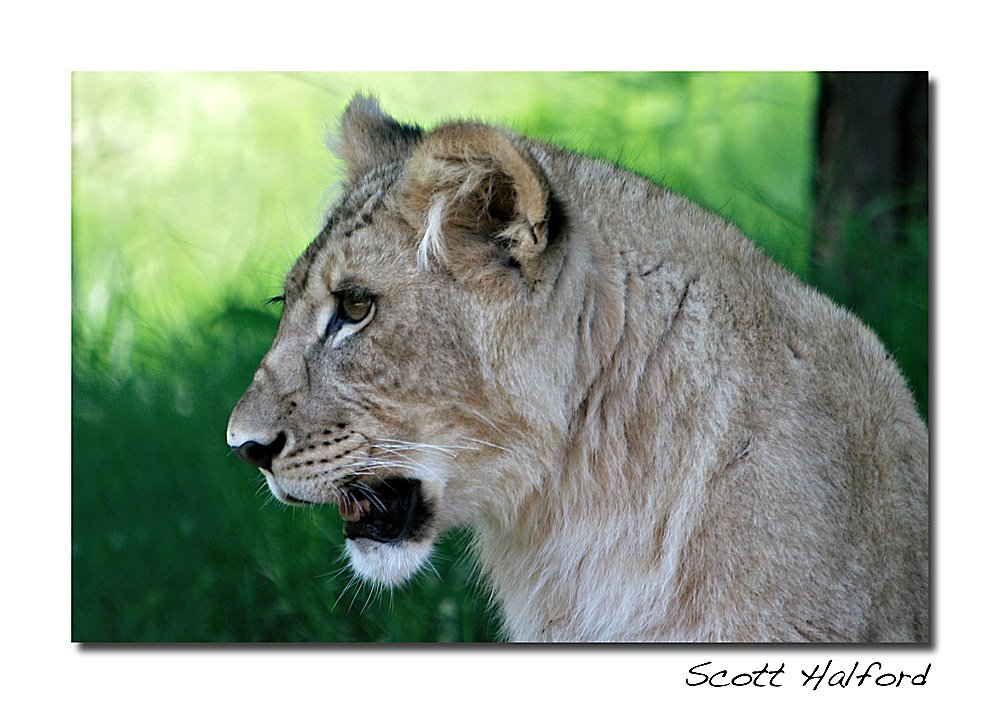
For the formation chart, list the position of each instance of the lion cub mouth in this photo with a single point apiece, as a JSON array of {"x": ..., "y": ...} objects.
[{"x": 389, "y": 511}]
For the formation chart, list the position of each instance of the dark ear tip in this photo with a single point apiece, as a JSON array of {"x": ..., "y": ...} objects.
[
  {"x": 362, "y": 106},
  {"x": 369, "y": 137}
]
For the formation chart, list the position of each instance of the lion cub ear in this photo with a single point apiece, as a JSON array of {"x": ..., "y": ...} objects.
[
  {"x": 369, "y": 138},
  {"x": 480, "y": 201}
]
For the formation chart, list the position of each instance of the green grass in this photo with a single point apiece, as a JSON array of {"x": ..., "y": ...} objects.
[{"x": 192, "y": 195}]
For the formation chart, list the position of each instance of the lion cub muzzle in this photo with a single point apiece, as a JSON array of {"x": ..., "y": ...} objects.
[{"x": 390, "y": 509}]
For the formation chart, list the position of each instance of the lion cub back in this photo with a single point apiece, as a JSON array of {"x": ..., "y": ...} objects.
[{"x": 778, "y": 460}]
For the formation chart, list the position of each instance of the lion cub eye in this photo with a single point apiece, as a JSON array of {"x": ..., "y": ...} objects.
[{"x": 354, "y": 310}]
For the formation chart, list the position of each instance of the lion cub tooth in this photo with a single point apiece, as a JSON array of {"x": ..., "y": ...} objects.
[{"x": 353, "y": 510}]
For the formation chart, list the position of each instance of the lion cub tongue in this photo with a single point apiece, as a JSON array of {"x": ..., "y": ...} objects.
[{"x": 353, "y": 510}]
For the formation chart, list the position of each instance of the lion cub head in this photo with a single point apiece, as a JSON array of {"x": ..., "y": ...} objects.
[{"x": 396, "y": 387}]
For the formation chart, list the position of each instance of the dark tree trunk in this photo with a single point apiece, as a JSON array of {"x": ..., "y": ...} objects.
[{"x": 870, "y": 225}]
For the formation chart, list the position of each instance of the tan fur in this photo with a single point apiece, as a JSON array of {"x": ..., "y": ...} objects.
[{"x": 655, "y": 432}]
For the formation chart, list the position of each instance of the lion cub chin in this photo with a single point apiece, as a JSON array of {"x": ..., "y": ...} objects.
[{"x": 654, "y": 432}]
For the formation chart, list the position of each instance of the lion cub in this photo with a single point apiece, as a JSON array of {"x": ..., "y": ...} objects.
[{"x": 654, "y": 431}]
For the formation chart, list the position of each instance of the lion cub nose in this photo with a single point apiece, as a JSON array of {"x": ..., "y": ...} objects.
[{"x": 260, "y": 455}]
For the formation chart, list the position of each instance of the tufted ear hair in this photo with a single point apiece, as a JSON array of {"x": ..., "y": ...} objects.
[
  {"x": 369, "y": 138},
  {"x": 479, "y": 200}
]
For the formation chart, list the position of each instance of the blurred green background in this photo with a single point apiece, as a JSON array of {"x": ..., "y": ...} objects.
[{"x": 194, "y": 193}]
